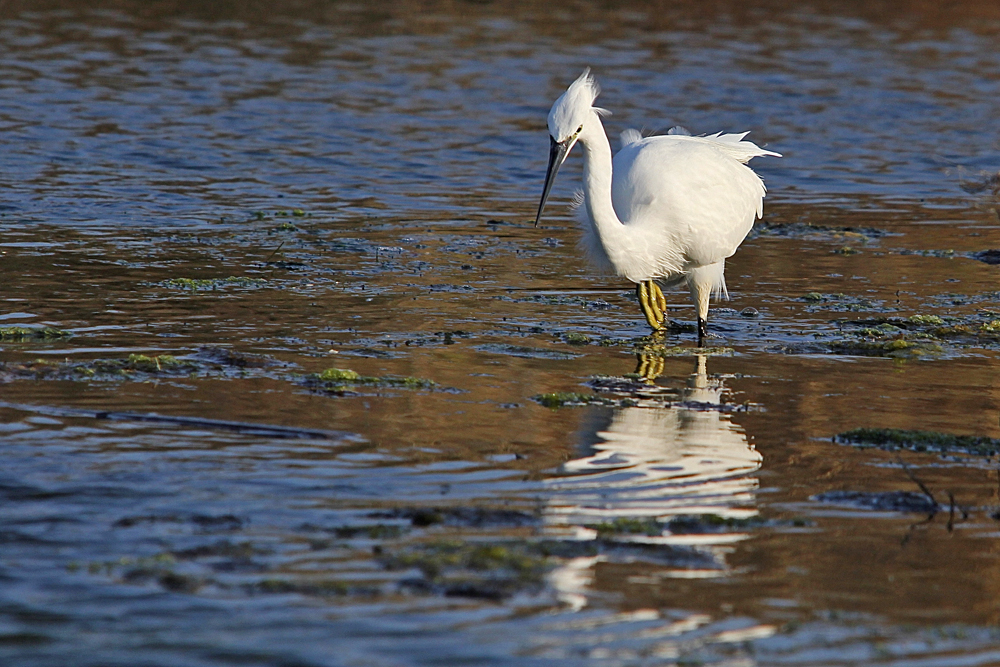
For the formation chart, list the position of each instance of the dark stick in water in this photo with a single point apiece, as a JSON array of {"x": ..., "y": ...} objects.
[{"x": 238, "y": 427}]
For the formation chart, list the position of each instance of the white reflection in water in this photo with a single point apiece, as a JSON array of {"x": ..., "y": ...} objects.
[
  {"x": 661, "y": 462},
  {"x": 646, "y": 462}
]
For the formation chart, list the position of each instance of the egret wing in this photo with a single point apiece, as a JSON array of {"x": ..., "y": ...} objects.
[{"x": 686, "y": 197}]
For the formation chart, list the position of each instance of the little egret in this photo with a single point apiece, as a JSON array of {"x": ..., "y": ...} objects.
[{"x": 667, "y": 210}]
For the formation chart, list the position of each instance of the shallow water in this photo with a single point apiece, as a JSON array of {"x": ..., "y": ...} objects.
[{"x": 265, "y": 194}]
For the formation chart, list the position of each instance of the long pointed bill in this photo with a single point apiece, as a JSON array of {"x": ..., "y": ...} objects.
[{"x": 557, "y": 155}]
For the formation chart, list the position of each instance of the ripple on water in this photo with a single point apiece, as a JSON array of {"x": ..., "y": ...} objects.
[{"x": 263, "y": 195}]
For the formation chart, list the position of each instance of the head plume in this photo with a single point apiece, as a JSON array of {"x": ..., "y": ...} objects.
[{"x": 574, "y": 106}]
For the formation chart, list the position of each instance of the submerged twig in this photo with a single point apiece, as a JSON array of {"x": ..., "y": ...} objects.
[
  {"x": 913, "y": 527},
  {"x": 923, "y": 488},
  {"x": 274, "y": 252},
  {"x": 921, "y": 485},
  {"x": 951, "y": 511}
]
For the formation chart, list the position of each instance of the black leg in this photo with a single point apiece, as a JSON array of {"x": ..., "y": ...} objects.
[{"x": 702, "y": 331}]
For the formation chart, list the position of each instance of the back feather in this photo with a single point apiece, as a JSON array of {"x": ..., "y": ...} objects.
[{"x": 630, "y": 136}]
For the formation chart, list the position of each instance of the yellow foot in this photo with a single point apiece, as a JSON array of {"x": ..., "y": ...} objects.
[
  {"x": 661, "y": 301},
  {"x": 653, "y": 304},
  {"x": 650, "y": 366}
]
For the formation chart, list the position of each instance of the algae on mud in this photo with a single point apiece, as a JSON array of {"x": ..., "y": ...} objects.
[
  {"x": 919, "y": 441},
  {"x": 576, "y": 338},
  {"x": 571, "y": 398},
  {"x": 339, "y": 379},
  {"x": 207, "y": 359},
  {"x": 702, "y": 524},
  {"x": 898, "y": 347},
  {"x": 476, "y": 570},
  {"x": 525, "y": 351},
  {"x": 891, "y": 501},
  {"x": 917, "y": 336},
  {"x": 32, "y": 333},
  {"x": 213, "y": 283},
  {"x": 658, "y": 349},
  {"x": 97, "y": 369}
]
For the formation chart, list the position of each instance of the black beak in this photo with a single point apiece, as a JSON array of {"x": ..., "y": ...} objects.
[{"x": 557, "y": 155}]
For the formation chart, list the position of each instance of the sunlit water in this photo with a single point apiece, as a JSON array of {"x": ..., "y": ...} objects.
[{"x": 353, "y": 186}]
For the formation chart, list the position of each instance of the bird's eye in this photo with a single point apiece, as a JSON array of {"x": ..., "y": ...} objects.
[{"x": 579, "y": 129}]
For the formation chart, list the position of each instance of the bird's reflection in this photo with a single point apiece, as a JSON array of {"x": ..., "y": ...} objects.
[{"x": 655, "y": 462}]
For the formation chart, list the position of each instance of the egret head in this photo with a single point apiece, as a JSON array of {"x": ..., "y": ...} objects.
[{"x": 570, "y": 112}]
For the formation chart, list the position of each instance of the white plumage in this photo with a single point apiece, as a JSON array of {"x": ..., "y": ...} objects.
[{"x": 668, "y": 209}]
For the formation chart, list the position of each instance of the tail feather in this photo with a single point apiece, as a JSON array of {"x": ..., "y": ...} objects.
[
  {"x": 733, "y": 145},
  {"x": 720, "y": 291}
]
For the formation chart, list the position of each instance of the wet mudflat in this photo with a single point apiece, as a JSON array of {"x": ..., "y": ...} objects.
[{"x": 287, "y": 377}]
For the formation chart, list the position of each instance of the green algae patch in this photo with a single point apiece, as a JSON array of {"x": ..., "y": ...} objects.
[
  {"x": 162, "y": 569},
  {"x": 340, "y": 380},
  {"x": 898, "y": 337},
  {"x": 925, "y": 320},
  {"x": 491, "y": 570},
  {"x": 900, "y": 348},
  {"x": 918, "y": 441},
  {"x": 944, "y": 254},
  {"x": 699, "y": 524},
  {"x": 217, "y": 357},
  {"x": 196, "y": 284},
  {"x": 577, "y": 339},
  {"x": 560, "y": 399},
  {"x": 32, "y": 333},
  {"x": 919, "y": 335},
  {"x": 338, "y": 375},
  {"x": 412, "y": 382},
  {"x": 524, "y": 351},
  {"x": 320, "y": 587},
  {"x": 158, "y": 568},
  {"x": 140, "y": 362},
  {"x": 635, "y": 389},
  {"x": 839, "y": 302},
  {"x": 648, "y": 348},
  {"x": 953, "y": 331},
  {"x": 805, "y": 230},
  {"x": 189, "y": 283},
  {"x": 695, "y": 524},
  {"x": 886, "y": 501},
  {"x": 377, "y": 531},
  {"x": 139, "y": 365},
  {"x": 990, "y": 328},
  {"x": 930, "y": 326},
  {"x": 628, "y": 526}
]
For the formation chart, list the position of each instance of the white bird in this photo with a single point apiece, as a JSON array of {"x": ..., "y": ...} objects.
[{"x": 668, "y": 209}]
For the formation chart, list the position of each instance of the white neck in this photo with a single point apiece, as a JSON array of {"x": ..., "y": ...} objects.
[
  {"x": 609, "y": 243},
  {"x": 597, "y": 176}
]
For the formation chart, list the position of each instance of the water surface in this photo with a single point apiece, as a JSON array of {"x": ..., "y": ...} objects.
[{"x": 263, "y": 194}]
